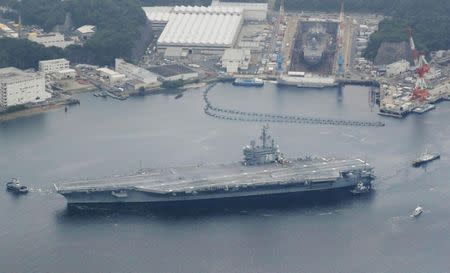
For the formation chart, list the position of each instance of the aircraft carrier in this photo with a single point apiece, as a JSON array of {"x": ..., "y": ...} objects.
[{"x": 263, "y": 172}]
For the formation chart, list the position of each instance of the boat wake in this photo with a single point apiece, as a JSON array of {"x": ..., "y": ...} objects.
[
  {"x": 325, "y": 213},
  {"x": 267, "y": 215},
  {"x": 42, "y": 190}
]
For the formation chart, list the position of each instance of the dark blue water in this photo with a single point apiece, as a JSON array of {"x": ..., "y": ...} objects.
[{"x": 103, "y": 137}]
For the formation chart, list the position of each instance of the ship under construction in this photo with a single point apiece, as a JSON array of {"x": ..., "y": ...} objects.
[
  {"x": 264, "y": 172},
  {"x": 317, "y": 41}
]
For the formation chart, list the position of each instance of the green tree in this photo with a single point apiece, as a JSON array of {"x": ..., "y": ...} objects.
[
  {"x": 25, "y": 54},
  {"x": 119, "y": 24}
]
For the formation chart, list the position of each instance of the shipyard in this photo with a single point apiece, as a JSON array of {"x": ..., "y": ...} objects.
[
  {"x": 224, "y": 136},
  {"x": 308, "y": 50}
]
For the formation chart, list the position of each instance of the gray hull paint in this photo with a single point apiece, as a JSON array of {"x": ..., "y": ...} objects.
[
  {"x": 313, "y": 59},
  {"x": 140, "y": 196},
  {"x": 264, "y": 172}
]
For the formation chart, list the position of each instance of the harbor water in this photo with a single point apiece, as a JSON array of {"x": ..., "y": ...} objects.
[{"x": 105, "y": 137}]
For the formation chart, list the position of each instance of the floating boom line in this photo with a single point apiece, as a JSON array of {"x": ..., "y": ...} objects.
[{"x": 237, "y": 115}]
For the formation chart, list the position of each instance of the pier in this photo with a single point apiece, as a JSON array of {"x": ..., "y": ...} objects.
[{"x": 355, "y": 81}]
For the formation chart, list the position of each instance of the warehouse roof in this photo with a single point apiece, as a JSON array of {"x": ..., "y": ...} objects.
[
  {"x": 236, "y": 54},
  {"x": 245, "y": 5},
  {"x": 12, "y": 74},
  {"x": 170, "y": 70},
  {"x": 202, "y": 26},
  {"x": 86, "y": 29},
  {"x": 8, "y": 72},
  {"x": 53, "y": 61},
  {"x": 158, "y": 14},
  {"x": 207, "y": 10}
]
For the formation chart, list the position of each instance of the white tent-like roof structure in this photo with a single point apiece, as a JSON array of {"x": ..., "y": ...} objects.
[
  {"x": 158, "y": 14},
  {"x": 200, "y": 26}
]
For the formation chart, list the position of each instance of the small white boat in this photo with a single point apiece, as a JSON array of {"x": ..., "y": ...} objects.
[
  {"x": 418, "y": 211},
  {"x": 425, "y": 158},
  {"x": 424, "y": 108}
]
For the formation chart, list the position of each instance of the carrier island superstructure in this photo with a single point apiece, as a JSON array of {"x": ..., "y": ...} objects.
[{"x": 264, "y": 172}]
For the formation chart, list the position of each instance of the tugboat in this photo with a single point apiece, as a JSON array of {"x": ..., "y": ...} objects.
[
  {"x": 425, "y": 158},
  {"x": 14, "y": 186},
  {"x": 418, "y": 211},
  {"x": 360, "y": 189}
]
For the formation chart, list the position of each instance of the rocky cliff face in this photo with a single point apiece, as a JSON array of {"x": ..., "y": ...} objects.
[
  {"x": 392, "y": 52},
  {"x": 140, "y": 45}
]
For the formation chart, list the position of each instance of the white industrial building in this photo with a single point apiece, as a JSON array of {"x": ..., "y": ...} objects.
[
  {"x": 85, "y": 32},
  {"x": 397, "y": 68},
  {"x": 174, "y": 72},
  {"x": 8, "y": 32},
  {"x": 441, "y": 57},
  {"x": 134, "y": 72},
  {"x": 158, "y": 16},
  {"x": 199, "y": 29},
  {"x": 251, "y": 11},
  {"x": 296, "y": 73},
  {"x": 208, "y": 30},
  {"x": 51, "y": 66},
  {"x": 110, "y": 75},
  {"x": 50, "y": 39},
  {"x": 235, "y": 60},
  {"x": 65, "y": 74},
  {"x": 18, "y": 87}
]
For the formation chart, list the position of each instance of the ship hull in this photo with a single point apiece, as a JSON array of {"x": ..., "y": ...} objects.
[
  {"x": 220, "y": 182},
  {"x": 142, "y": 197},
  {"x": 314, "y": 55},
  {"x": 419, "y": 163},
  {"x": 258, "y": 201},
  {"x": 249, "y": 84},
  {"x": 313, "y": 60}
]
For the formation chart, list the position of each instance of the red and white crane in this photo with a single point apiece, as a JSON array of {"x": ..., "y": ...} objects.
[{"x": 420, "y": 92}]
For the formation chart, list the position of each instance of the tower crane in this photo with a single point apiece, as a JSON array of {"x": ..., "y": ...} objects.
[{"x": 420, "y": 92}]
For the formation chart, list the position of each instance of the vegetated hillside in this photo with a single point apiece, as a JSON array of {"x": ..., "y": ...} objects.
[
  {"x": 175, "y": 2},
  {"x": 334, "y": 5},
  {"x": 428, "y": 20},
  {"x": 44, "y": 13},
  {"x": 390, "y": 31},
  {"x": 119, "y": 25},
  {"x": 391, "y": 52},
  {"x": 25, "y": 54}
]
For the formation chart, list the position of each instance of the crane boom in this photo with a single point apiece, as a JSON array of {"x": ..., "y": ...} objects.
[{"x": 420, "y": 92}]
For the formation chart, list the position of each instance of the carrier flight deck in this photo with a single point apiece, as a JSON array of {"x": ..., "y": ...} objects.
[{"x": 264, "y": 171}]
